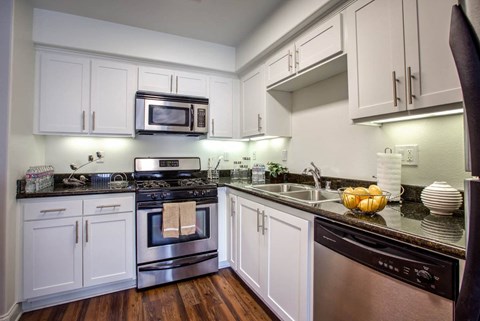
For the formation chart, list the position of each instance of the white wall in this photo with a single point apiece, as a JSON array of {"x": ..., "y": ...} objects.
[
  {"x": 6, "y": 26},
  {"x": 24, "y": 148},
  {"x": 120, "y": 152},
  {"x": 75, "y": 32},
  {"x": 323, "y": 133},
  {"x": 284, "y": 22}
]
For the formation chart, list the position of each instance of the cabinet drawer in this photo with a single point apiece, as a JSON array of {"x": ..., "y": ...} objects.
[
  {"x": 108, "y": 205},
  {"x": 47, "y": 209}
]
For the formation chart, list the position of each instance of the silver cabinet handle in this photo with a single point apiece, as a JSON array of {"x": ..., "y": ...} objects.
[
  {"x": 410, "y": 91},
  {"x": 213, "y": 127},
  {"x": 395, "y": 80},
  {"x": 83, "y": 120},
  {"x": 259, "y": 120},
  {"x": 289, "y": 61},
  {"x": 232, "y": 210},
  {"x": 263, "y": 222},
  {"x": 176, "y": 84},
  {"x": 107, "y": 206},
  {"x": 53, "y": 210},
  {"x": 258, "y": 220},
  {"x": 171, "y": 83},
  {"x": 86, "y": 231},
  {"x": 93, "y": 121},
  {"x": 76, "y": 232},
  {"x": 297, "y": 59}
]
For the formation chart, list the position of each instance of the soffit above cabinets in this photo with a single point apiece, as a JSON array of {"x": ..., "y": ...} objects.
[{"x": 225, "y": 22}]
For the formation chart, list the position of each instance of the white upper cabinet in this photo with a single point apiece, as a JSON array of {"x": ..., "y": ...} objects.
[
  {"x": 322, "y": 42},
  {"x": 155, "y": 79},
  {"x": 172, "y": 82},
  {"x": 113, "y": 92},
  {"x": 398, "y": 56},
  {"x": 263, "y": 113},
  {"x": 63, "y": 93},
  {"x": 310, "y": 49},
  {"x": 83, "y": 96},
  {"x": 221, "y": 104}
]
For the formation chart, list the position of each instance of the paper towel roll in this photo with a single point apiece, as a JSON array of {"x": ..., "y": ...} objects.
[{"x": 389, "y": 174}]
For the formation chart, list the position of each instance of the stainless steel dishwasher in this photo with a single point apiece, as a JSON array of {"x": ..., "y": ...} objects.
[{"x": 363, "y": 277}]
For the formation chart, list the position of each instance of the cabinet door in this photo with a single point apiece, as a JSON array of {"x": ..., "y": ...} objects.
[
  {"x": 376, "y": 81},
  {"x": 155, "y": 79},
  {"x": 63, "y": 89},
  {"x": 280, "y": 66},
  {"x": 191, "y": 84},
  {"x": 434, "y": 80},
  {"x": 108, "y": 248},
  {"x": 232, "y": 230},
  {"x": 319, "y": 44},
  {"x": 253, "y": 103},
  {"x": 221, "y": 107},
  {"x": 52, "y": 256},
  {"x": 113, "y": 97},
  {"x": 250, "y": 243},
  {"x": 286, "y": 289}
]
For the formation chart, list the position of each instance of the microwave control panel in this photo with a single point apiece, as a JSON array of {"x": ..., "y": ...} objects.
[{"x": 201, "y": 118}]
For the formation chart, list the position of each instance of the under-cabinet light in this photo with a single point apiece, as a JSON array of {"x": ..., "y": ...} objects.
[{"x": 411, "y": 117}]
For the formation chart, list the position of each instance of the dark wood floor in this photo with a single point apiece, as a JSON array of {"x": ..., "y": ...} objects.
[{"x": 220, "y": 296}]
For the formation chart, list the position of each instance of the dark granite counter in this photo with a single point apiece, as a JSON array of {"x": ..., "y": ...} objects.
[
  {"x": 61, "y": 190},
  {"x": 402, "y": 222}
]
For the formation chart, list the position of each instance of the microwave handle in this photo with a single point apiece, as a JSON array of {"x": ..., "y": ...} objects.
[{"x": 192, "y": 118}]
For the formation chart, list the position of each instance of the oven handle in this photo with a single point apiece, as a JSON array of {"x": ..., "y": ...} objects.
[
  {"x": 179, "y": 263},
  {"x": 159, "y": 204}
]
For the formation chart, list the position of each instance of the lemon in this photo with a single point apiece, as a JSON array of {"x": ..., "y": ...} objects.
[
  {"x": 375, "y": 190},
  {"x": 368, "y": 205},
  {"x": 350, "y": 201},
  {"x": 361, "y": 192},
  {"x": 382, "y": 201},
  {"x": 348, "y": 190}
]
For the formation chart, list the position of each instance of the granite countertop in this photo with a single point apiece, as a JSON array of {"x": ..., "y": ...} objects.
[{"x": 403, "y": 222}]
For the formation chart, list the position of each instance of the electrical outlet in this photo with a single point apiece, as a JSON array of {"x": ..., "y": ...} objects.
[
  {"x": 225, "y": 156},
  {"x": 254, "y": 155},
  {"x": 284, "y": 155},
  {"x": 409, "y": 154},
  {"x": 101, "y": 155}
]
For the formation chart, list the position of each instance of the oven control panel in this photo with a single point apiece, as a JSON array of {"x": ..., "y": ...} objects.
[{"x": 169, "y": 195}]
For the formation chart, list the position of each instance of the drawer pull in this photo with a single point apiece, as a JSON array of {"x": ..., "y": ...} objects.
[
  {"x": 86, "y": 231},
  {"x": 53, "y": 210},
  {"x": 108, "y": 206},
  {"x": 76, "y": 232}
]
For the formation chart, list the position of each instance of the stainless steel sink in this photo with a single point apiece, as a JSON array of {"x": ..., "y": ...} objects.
[
  {"x": 312, "y": 196},
  {"x": 281, "y": 188},
  {"x": 306, "y": 194}
]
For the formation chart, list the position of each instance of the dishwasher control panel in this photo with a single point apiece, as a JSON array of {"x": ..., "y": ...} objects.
[{"x": 434, "y": 273}]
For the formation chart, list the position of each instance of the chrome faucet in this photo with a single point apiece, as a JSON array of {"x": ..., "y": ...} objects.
[{"x": 315, "y": 171}]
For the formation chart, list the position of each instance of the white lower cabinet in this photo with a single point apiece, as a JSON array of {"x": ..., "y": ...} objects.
[
  {"x": 108, "y": 245},
  {"x": 52, "y": 256},
  {"x": 273, "y": 257},
  {"x": 66, "y": 250}
]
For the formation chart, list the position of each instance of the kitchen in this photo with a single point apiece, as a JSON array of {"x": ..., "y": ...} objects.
[{"x": 338, "y": 147}]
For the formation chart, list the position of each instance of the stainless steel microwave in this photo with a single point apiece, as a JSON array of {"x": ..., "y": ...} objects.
[{"x": 159, "y": 113}]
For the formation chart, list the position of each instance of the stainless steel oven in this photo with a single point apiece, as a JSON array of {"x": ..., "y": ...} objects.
[
  {"x": 163, "y": 259},
  {"x": 157, "y": 113}
]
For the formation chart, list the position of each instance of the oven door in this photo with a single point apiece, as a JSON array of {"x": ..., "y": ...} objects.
[
  {"x": 168, "y": 116},
  {"x": 152, "y": 246}
]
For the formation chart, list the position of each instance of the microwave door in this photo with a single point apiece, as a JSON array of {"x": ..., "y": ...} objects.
[{"x": 165, "y": 116}]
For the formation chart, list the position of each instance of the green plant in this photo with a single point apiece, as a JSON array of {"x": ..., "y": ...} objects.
[{"x": 276, "y": 169}]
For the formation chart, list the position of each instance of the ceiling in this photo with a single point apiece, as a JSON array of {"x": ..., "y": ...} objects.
[{"x": 225, "y": 22}]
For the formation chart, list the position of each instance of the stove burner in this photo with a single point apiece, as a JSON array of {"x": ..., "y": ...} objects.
[
  {"x": 191, "y": 182},
  {"x": 154, "y": 184}
]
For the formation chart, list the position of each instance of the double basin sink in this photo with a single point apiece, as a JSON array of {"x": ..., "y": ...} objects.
[{"x": 305, "y": 194}]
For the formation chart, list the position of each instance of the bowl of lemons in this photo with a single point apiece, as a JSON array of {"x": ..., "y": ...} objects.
[{"x": 364, "y": 200}]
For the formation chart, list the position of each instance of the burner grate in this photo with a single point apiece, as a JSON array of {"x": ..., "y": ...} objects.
[
  {"x": 191, "y": 182},
  {"x": 153, "y": 184}
]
